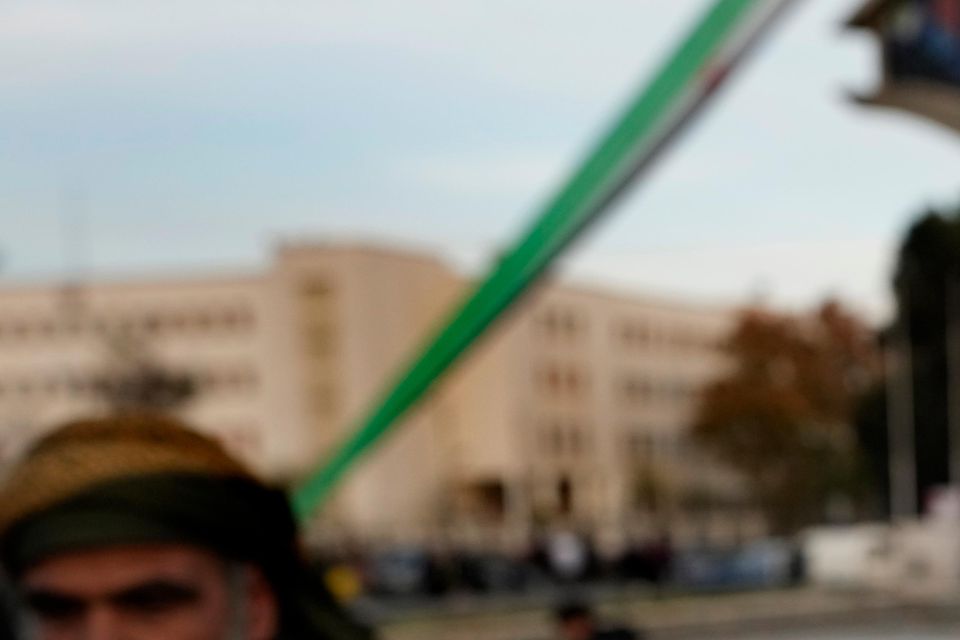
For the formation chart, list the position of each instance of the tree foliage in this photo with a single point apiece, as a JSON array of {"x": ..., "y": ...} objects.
[
  {"x": 782, "y": 414},
  {"x": 927, "y": 289}
]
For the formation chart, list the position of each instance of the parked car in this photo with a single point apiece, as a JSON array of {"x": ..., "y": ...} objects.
[
  {"x": 762, "y": 564},
  {"x": 397, "y": 572}
]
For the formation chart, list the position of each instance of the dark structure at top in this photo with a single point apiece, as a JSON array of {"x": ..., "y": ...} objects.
[{"x": 921, "y": 56}]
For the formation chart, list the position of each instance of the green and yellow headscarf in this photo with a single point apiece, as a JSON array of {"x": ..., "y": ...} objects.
[{"x": 143, "y": 478}]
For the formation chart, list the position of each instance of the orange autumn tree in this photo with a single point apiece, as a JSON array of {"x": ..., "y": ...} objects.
[{"x": 782, "y": 413}]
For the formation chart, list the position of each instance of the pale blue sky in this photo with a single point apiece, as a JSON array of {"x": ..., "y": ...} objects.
[{"x": 200, "y": 132}]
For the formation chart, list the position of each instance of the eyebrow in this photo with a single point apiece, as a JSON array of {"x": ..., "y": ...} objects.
[
  {"x": 155, "y": 594},
  {"x": 145, "y": 595},
  {"x": 52, "y": 603}
]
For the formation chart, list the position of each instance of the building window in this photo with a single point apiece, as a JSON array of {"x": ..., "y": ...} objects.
[
  {"x": 315, "y": 289},
  {"x": 561, "y": 324},
  {"x": 71, "y": 327},
  {"x": 565, "y": 496},
  {"x": 641, "y": 442},
  {"x": 76, "y": 385},
  {"x": 489, "y": 498},
  {"x": 323, "y": 399},
  {"x": 562, "y": 380},
  {"x": 246, "y": 381},
  {"x": 636, "y": 389},
  {"x": 208, "y": 381},
  {"x": 548, "y": 323},
  {"x": 176, "y": 322},
  {"x": 564, "y": 437},
  {"x": 151, "y": 324},
  {"x": 45, "y": 330},
  {"x": 552, "y": 437},
  {"x": 52, "y": 386},
  {"x": 202, "y": 321},
  {"x": 234, "y": 319},
  {"x": 635, "y": 334},
  {"x": 246, "y": 319},
  {"x": 227, "y": 381},
  {"x": 320, "y": 340},
  {"x": 576, "y": 381},
  {"x": 575, "y": 440},
  {"x": 554, "y": 380},
  {"x": 556, "y": 439}
]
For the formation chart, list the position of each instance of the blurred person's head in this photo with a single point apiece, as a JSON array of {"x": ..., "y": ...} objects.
[
  {"x": 134, "y": 527},
  {"x": 575, "y": 621}
]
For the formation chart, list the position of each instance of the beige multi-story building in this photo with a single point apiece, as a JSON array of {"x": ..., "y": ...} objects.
[{"x": 574, "y": 410}]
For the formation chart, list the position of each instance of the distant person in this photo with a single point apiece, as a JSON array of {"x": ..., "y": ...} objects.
[
  {"x": 137, "y": 528},
  {"x": 568, "y": 556},
  {"x": 660, "y": 557},
  {"x": 577, "y": 621}
]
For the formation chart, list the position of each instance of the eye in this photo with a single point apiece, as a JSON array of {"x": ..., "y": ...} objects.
[
  {"x": 156, "y": 597},
  {"x": 53, "y": 607}
]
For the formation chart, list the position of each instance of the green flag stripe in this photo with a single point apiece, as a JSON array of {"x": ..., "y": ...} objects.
[{"x": 629, "y": 145}]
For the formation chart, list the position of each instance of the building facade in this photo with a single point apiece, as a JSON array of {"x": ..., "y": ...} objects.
[{"x": 572, "y": 412}]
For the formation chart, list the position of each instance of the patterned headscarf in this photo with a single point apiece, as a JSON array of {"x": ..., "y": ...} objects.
[{"x": 139, "y": 478}]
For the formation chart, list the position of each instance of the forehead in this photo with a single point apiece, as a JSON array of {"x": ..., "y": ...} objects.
[{"x": 107, "y": 569}]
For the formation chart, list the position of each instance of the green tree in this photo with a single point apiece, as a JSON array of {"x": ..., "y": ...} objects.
[
  {"x": 926, "y": 284},
  {"x": 782, "y": 414}
]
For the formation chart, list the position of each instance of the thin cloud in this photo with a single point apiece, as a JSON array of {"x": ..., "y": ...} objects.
[
  {"x": 509, "y": 173},
  {"x": 791, "y": 273}
]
